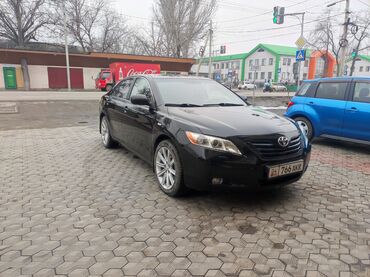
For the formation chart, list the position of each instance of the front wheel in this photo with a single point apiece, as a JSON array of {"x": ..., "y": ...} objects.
[
  {"x": 306, "y": 126},
  {"x": 168, "y": 169}
]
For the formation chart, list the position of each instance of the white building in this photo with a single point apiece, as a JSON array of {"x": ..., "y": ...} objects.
[
  {"x": 362, "y": 66},
  {"x": 273, "y": 62}
]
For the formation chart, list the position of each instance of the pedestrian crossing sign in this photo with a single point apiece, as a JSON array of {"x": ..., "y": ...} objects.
[{"x": 300, "y": 55}]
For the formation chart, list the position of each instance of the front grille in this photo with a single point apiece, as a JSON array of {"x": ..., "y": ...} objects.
[{"x": 269, "y": 149}]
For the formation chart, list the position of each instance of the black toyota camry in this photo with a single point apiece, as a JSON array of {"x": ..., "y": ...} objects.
[{"x": 198, "y": 134}]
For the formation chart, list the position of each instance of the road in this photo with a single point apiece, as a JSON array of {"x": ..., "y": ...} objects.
[{"x": 69, "y": 207}]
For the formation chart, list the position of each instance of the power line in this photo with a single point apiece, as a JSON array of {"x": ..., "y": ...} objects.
[
  {"x": 276, "y": 28},
  {"x": 363, "y": 3}
]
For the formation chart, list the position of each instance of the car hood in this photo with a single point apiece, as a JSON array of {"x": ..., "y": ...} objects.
[{"x": 232, "y": 121}]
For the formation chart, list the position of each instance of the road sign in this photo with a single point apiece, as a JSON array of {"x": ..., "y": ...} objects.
[
  {"x": 300, "y": 55},
  {"x": 218, "y": 77},
  {"x": 301, "y": 41}
]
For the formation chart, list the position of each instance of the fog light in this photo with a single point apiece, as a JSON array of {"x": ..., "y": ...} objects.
[{"x": 217, "y": 181}]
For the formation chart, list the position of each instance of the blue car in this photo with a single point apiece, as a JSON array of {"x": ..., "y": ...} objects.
[{"x": 337, "y": 108}]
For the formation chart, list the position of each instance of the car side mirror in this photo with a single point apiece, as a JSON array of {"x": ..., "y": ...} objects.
[
  {"x": 245, "y": 99},
  {"x": 140, "y": 99}
]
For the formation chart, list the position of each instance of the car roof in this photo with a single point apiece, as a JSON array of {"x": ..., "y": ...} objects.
[
  {"x": 353, "y": 78},
  {"x": 157, "y": 76}
]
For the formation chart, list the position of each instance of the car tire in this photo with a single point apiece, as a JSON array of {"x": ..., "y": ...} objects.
[
  {"x": 105, "y": 133},
  {"x": 306, "y": 125},
  {"x": 168, "y": 169},
  {"x": 108, "y": 88}
]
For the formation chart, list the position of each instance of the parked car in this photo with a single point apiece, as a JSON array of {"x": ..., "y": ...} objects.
[
  {"x": 278, "y": 87},
  {"x": 333, "y": 107},
  {"x": 247, "y": 85},
  {"x": 197, "y": 134}
]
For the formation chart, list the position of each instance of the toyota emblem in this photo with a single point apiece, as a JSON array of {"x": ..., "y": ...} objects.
[{"x": 283, "y": 141}]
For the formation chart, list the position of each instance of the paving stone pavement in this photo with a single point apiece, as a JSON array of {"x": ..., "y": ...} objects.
[{"x": 69, "y": 207}]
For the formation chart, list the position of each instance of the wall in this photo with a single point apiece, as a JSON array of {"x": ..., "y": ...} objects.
[
  {"x": 266, "y": 68},
  {"x": 2, "y": 82},
  {"x": 89, "y": 77},
  {"x": 38, "y": 76},
  {"x": 365, "y": 64}
]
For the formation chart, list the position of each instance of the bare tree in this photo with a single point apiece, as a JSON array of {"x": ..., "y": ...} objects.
[
  {"x": 183, "y": 23},
  {"x": 150, "y": 41},
  {"x": 360, "y": 37},
  {"x": 325, "y": 38},
  {"x": 20, "y": 20},
  {"x": 93, "y": 26}
]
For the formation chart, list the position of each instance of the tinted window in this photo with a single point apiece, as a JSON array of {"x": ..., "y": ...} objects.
[
  {"x": 362, "y": 93},
  {"x": 336, "y": 91},
  {"x": 142, "y": 86},
  {"x": 122, "y": 89},
  {"x": 303, "y": 90},
  {"x": 195, "y": 91}
]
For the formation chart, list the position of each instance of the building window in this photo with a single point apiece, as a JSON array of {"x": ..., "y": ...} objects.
[
  {"x": 361, "y": 68},
  {"x": 250, "y": 75},
  {"x": 250, "y": 62},
  {"x": 283, "y": 75},
  {"x": 255, "y": 75},
  {"x": 263, "y": 61},
  {"x": 237, "y": 65},
  {"x": 214, "y": 66},
  {"x": 271, "y": 61},
  {"x": 218, "y": 66},
  {"x": 306, "y": 63},
  {"x": 269, "y": 75},
  {"x": 257, "y": 62},
  {"x": 284, "y": 61},
  {"x": 262, "y": 75},
  {"x": 222, "y": 65},
  {"x": 368, "y": 69},
  {"x": 289, "y": 61},
  {"x": 287, "y": 75}
]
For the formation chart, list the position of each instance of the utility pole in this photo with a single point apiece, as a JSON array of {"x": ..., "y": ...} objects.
[
  {"x": 344, "y": 40},
  {"x": 210, "y": 51},
  {"x": 66, "y": 46},
  {"x": 300, "y": 48}
]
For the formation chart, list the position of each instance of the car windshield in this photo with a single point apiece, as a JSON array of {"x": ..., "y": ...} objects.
[{"x": 196, "y": 92}]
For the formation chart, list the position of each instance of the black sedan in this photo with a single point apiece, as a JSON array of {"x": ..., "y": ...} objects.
[{"x": 198, "y": 134}]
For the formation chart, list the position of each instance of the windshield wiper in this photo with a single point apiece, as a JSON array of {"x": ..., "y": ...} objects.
[
  {"x": 183, "y": 105},
  {"x": 224, "y": 104}
]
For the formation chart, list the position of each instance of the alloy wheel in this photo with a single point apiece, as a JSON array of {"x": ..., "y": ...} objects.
[
  {"x": 165, "y": 167},
  {"x": 303, "y": 126},
  {"x": 104, "y": 131}
]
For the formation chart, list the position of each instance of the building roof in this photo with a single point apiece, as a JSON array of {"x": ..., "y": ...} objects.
[
  {"x": 282, "y": 50},
  {"x": 364, "y": 57},
  {"x": 227, "y": 57}
]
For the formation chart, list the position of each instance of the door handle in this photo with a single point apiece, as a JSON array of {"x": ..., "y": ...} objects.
[
  {"x": 353, "y": 109},
  {"x": 311, "y": 103}
]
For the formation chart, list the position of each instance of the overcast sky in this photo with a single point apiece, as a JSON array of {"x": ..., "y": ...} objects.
[{"x": 238, "y": 23}]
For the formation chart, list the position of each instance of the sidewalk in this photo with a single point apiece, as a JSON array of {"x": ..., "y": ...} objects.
[
  {"x": 96, "y": 95},
  {"x": 49, "y": 95}
]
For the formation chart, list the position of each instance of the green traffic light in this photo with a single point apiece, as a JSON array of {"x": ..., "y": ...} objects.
[{"x": 275, "y": 20}]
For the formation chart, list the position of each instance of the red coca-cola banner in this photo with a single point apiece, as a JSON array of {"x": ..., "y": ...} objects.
[{"x": 122, "y": 70}]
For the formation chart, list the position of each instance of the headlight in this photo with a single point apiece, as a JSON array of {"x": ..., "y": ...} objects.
[
  {"x": 214, "y": 143},
  {"x": 306, "y": 142}
]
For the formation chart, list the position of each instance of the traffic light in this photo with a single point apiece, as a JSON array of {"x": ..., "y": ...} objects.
[
  {"x": 223, "y": 49},
  {"x": 278, "y": 15}
]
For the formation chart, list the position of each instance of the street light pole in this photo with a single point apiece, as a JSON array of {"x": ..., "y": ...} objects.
[
  {"x": 210, "y": 51},
  {"x": 344, "y": 39},
  {"x": 66, "y": 46}
]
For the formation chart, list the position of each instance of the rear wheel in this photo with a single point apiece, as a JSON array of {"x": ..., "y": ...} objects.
[
  {"x": 106, "y": 137},
  {"x": 168, "y": 169},
  {"x": 306, "y": 126}
]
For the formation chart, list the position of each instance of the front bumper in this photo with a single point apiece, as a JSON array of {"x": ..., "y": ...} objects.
[{"x": 201, "y": 165}]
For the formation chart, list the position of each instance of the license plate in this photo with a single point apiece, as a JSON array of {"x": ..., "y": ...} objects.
[{"x": 285, "y": 169}]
